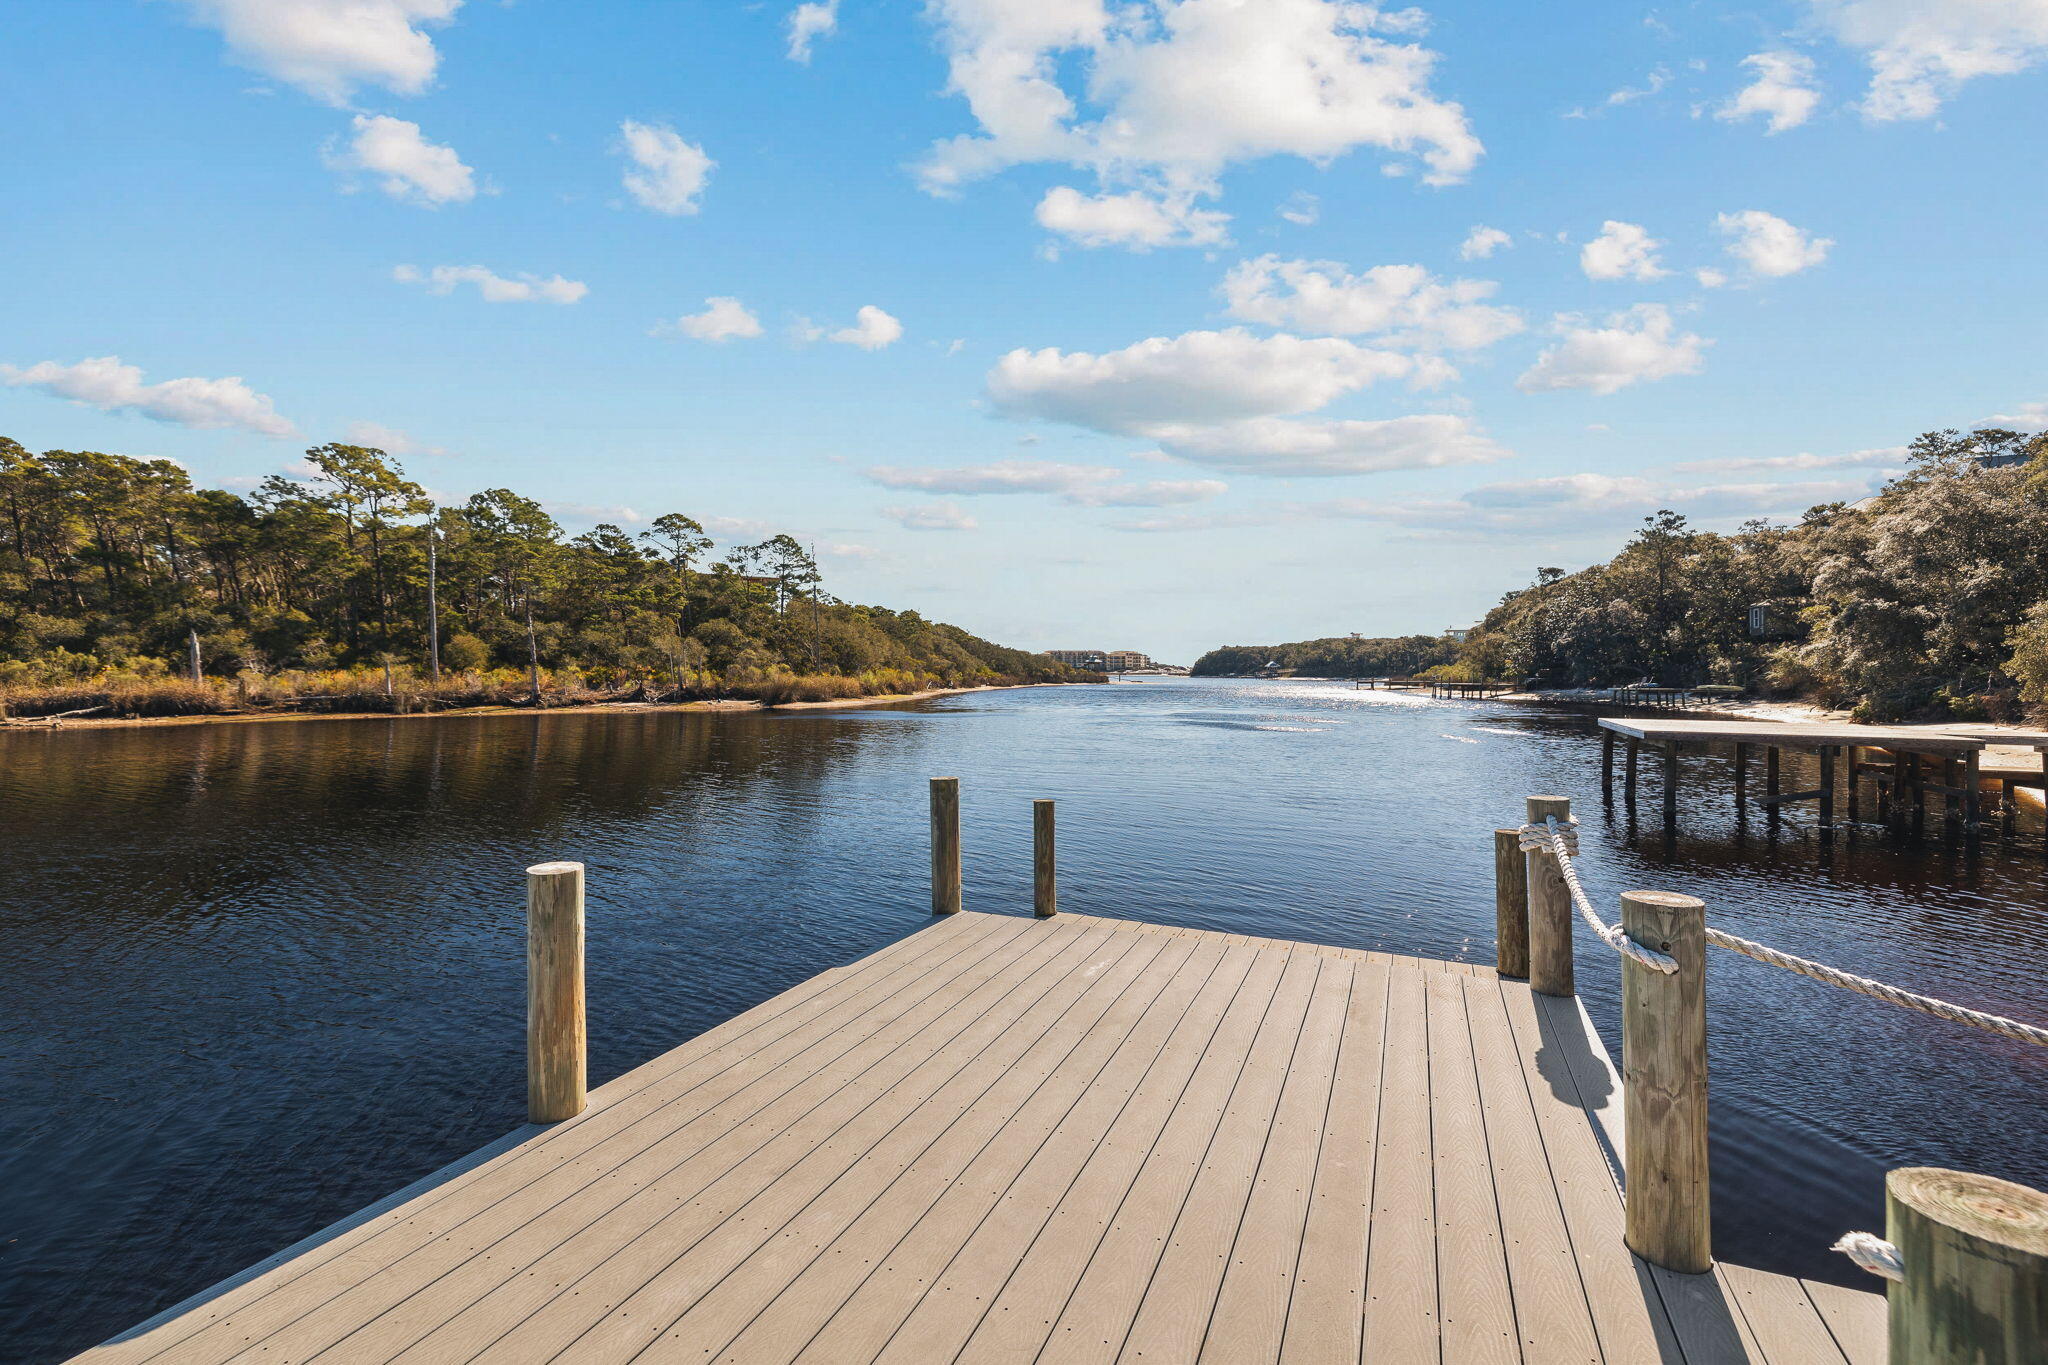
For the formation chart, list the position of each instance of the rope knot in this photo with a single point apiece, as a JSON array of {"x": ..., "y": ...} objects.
[{"x": 1537, "y": 838}]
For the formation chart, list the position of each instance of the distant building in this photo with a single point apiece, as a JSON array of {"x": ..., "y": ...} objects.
[
  {"x": 1459, "y": 633},
  {"x": 1124, "y": 660},
  {"x": 1079, "y": 658}
]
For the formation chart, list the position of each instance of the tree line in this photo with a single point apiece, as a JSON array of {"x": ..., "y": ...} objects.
[
  {"x": 1929, "y": 599},
  {"x": 113, "y": 564}
]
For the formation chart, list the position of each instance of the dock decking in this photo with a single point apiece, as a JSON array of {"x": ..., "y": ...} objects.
[{"x": 1070, "y": 1139}]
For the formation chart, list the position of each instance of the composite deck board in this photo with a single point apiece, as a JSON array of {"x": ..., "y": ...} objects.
[{"x": 1074, "y": 1140}]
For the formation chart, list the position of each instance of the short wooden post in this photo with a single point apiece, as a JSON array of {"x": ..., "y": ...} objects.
[
  {"x": 945, "y": 846},
  {"x": 1606, "y": 764},
  {"x": 1664, "y": 1083},
  {"x": 1975, "y": 1254},
  {"x": 555, "y": 1041},
  {"x": 1827, "y": 793},
  {"x": 1549, "y": 924},
  {"x": 1510, "y": 904},
  {"x": 1045, "y": 894},
  {"x": 1671, "y": 786}
]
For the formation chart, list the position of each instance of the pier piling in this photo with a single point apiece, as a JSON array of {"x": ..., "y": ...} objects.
[
  {"x": 1510, "y": 905},
  {"x": 1550, "y": 907},
  {"x": 555, "y": 1040},
  {"x": 1045, "y": 896},
  {"x": 945, "y": 846},
  {"x": 1664, "y": 1083},
  {"x": 1975, "y": 1256}
]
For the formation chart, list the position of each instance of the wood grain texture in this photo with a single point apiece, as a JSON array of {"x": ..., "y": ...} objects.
[
  {"x": 556, "y": 1050},
  {"x": 1550, "y": 907},
  {"x": 946, "y": 897},
  {"x": 1510, "y": 904},
  {"x": 1975, "y": 1253},
  {"x": 1045, "y": 892},
  {"x": 1664, "y": 1082}
]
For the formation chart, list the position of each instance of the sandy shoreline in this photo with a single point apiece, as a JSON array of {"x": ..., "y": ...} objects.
[{"x": 587, "y": 708}]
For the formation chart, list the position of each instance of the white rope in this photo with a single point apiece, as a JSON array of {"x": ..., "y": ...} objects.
[
  {"x": 1872, "y": 1253},
  {"x": 1878, "y": 990},
  {"x": 1561, "y": 841}
]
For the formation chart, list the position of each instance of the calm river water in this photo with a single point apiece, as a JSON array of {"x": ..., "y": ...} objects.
[{"x": 257, "y": 976}]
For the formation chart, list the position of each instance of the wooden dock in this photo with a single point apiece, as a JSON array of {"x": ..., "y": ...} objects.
[{"x": 1060, "y": 1139}]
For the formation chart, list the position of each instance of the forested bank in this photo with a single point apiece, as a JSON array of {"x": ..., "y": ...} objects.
[
  {"x": 348, "y": 588},
  {"x": 1929, "y": 600},
  {"x": 1399, "y": 656}
]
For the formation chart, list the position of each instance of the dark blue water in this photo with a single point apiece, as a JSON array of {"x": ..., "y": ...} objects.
[{"x": 257, "y": 976}]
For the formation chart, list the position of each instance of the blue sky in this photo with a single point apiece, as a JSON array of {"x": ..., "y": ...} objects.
[{"x": 1161, "y": 325}]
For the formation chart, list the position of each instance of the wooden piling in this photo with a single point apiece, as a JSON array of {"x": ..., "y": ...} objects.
[
  {"x": 1771, "y": 779},
  {"x": 1510, "y": 904},
  {"x": 1549, "y": 923},
  {"x": 1827, "y": 793},
  {"x": 1975, "y": 1252},
  {"x": 1635, "y": 753},
  {"x": 945, "y": 846},
  {"x": 1741, "y": 777},
  {"x": 1664, "y": 1083},
  {"x": 1045, "y": 895},
  {"x": 556, "y": 1046},
  {"x": 1607, "y": 766},
  {"x": 1671, "y": 786}
]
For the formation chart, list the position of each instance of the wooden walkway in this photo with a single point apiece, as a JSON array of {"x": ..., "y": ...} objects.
[{"x": 1072, "y": 1139}]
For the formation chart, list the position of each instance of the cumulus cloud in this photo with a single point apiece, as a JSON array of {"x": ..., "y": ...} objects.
[
  {"x": 872, "y": 329},
  {"x": 1136, "y": 220},
  {"x": 390, "y": 440},
  {"x": 1301, "y": 209},
  {"x": 328, "y": 47},
  {"x": 406, "y": 166},
  {"x": 1482, "y": 242},
  {"x": 808, "y": 23},
  {"x": 1638, "y": 345},
  {"x": 1783, "y": 92},
  {"x": 1285, "y": 448},
  {"x": 105, "y": 383},
  {"x": 1768, "y": 245},
  {"x": 1080, "y": 485},
  {"x": 936, "y": 516},
  {"x": 1404, "y": 304},
  {"x": 1922, "y": 51},
  {"x": 723, "y": 318},
  {"x": 491, "y": 286},
  {"x": 2029, "y": 417},
  {"x": 1175, "y": 93},
  {"x": 1622, "y": 251},
  {"x": 667, "y": 173}
]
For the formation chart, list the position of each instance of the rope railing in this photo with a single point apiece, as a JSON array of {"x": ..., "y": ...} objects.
[{"x": 1560, "y": 839}]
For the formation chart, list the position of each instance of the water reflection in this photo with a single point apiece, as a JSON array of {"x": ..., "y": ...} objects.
[{"x": 261, "y": 975}]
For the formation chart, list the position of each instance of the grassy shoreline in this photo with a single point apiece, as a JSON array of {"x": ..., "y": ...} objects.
[{"x": 619, "y": 707}]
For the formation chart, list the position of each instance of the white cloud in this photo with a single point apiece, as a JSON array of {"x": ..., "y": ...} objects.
[
  {"x": 105, "y": 383},
  {"x": 1640, "y": 344},
  {"x": 723, "y": 318},
  {"x": 407, "y": 166},
  {"x": 1302, "y": 209},
  {"x": 1878, "y": 457},
  {"x": 1577, "y": 502},
  {"x": 1195, "y": 377},
  {"x": 1652, "y": 84},
  {"x": 809, "y": 22},
  {"x": 1783, "y": 94},
  {"x": 1405, "y": 304},
  {"x": 1922, "y": 51},
  {"x": 1622, "y": 251},
  {"x": 493, "y": 287},
  {"x": 2029, "y": 417},
  {"x": 592, "y": 513},
  {"x": 1080, "y": 485},
  {"x": 1768, "y": 245},
  {"x": 1482, "y": 242},
  {"x": 871, "y": 331},
  {"x": 937, "y": 516},
  {"x": 327, "y": 47},
  {"x": 1710, "y": 278},
  {"x": 390, "y": 440},
  {"x": 669, "y": 173},
  {"x": 1284, "y": 448},
  {"x": 1136, "y": 220},
  {"x": 1175, "y": 93}
]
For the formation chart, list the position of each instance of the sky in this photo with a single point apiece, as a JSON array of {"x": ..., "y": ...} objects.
[{"x": 1149, "y": 324}]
